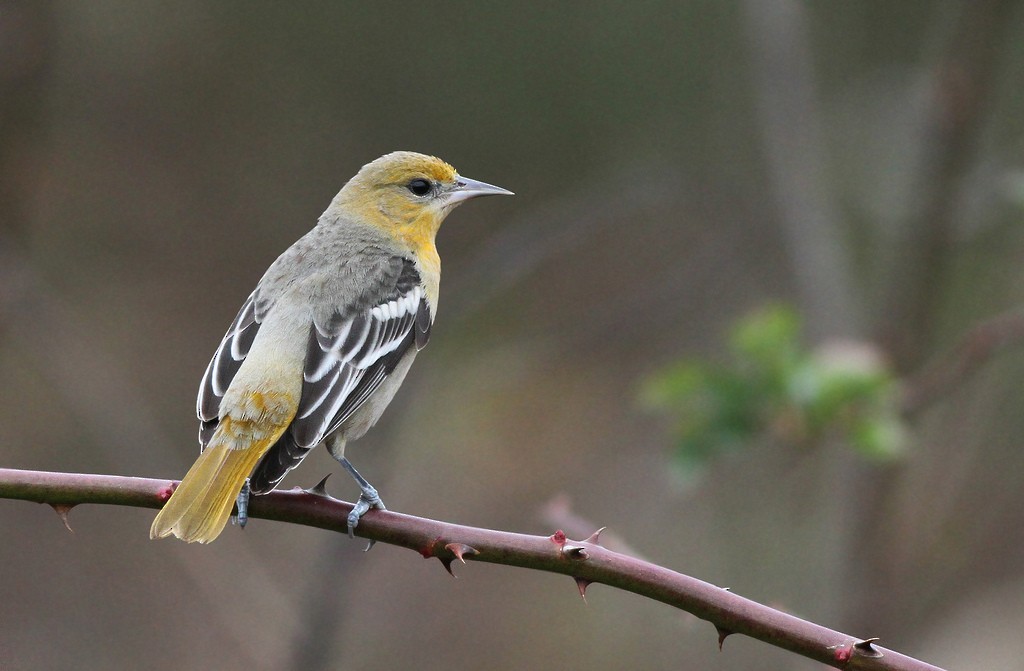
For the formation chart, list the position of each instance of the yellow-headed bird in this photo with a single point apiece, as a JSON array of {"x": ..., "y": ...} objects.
[{"x": 321, "y": 346}]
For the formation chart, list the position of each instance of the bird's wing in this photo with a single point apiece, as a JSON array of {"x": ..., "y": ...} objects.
[
  {"x": 226, "y": 361},
  {"x": 348, "y": 357}
]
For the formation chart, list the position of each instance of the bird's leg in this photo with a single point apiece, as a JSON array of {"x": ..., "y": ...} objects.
[
  {"x": 242, "y": 505},
  {"x": 368, "y": 497}
]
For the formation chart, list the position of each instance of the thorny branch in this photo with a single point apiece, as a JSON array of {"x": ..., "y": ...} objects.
[{"x": 586, "y": 561}]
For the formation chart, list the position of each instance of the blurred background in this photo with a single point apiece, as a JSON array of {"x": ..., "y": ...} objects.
[{"x": 678, "y": 167}]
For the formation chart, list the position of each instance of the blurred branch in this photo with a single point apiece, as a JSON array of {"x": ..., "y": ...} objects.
[
  {"x": 556, "y": 229},
  {"x": 976, "y": 347},
  {"x": 961, "y": 89},
  {"x": 586, "y": 561},
  {"x": 787, "y": 112},
  {"x": 558, "y": 513},
  {"x": 27, "y": 48}
]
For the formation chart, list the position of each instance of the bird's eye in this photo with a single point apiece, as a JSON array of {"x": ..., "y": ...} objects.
[{"x": 420, "y": 187}]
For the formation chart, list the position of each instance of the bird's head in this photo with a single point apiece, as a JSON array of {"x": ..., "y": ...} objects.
[{"x": 409, "y": 194}]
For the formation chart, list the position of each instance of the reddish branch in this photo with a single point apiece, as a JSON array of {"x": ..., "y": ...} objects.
[{"x": 586, "y": 561}]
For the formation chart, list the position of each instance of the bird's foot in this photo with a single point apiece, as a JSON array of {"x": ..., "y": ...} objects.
[
  {"x": 368, "y": 498},
  {"x": 241, "y": 515}
]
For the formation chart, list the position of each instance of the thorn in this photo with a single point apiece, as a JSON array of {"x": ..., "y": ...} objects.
[
  {"x": 461, "y": 551},
  {"x": 575, "y": 552},
  {"x": 722, "y": 634},
  {"x": 62, "y": 510},
  {"x": 866, "y": 647},
  {"x": 320, "y": 488},
  {"x": 558, "y": 538},
  {"x": 582, "y": 584},
  {"x": 594, "y": 537}
]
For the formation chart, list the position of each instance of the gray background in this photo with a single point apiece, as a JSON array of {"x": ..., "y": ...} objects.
[{"x": 677, "y": 165}]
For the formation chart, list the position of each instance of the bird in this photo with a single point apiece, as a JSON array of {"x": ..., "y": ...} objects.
[{"x": 318, "y": 350}]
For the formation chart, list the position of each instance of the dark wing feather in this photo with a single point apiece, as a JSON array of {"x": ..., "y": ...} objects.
[
  {"x": 225, "y": 363},
  {"x": 347, "y": 359}
]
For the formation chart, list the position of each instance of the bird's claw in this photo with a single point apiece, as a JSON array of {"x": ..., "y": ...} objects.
[{"x": 368, "y": 498}]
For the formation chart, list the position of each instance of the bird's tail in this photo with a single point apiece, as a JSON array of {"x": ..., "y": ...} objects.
[{"x": 202, "y": 503}]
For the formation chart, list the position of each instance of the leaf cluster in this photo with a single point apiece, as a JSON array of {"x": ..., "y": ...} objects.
[{"x": 773, "y": 386}]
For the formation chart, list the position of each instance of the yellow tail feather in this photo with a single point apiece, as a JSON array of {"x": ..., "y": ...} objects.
[{"x": 199, "y": 508}]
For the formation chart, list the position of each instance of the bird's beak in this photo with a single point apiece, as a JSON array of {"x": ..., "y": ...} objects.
[{"x": 466, "y": 188}]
